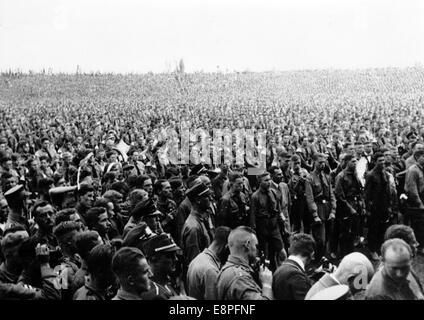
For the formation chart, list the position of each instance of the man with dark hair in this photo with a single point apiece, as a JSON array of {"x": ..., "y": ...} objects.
[
  {"x": 85, "y": 200},
  {"x": 98, "y": 220},
  {"x": 44, "y": 215},
  {"x": 161, "y": 253},
  {"x": 393, "y": 281},
  {"x": 84, "y": 242},
  {"x": 378, "y": 200},
  {"x": 290, "y": 281},
  {"x": 349, "y": 212},
  {"x": 322, "y": 205},
  {"x": 102, "y": 278},
  {"x": 264, "y": 214},
  {"x": 203, "y": 271},
  {"x": 178, "y": 190},
  {"x": 234, "y": 211},
  {"x": 414, "y": 188},
  {"x": 236, "y": 280},
  {"x": 196, "y": 235},
  {"x": 145, "y": 182},
  {"x": 166, "y": 206},
  {"x": 132, "y": 270}
]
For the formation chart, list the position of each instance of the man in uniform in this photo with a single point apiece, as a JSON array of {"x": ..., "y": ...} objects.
[
  {"x": 297, "y": 186},
  {"x": 265, "y": 212},
  {"x": 196, "y": 235},
  {"x": 322, "y": 205},
  {"x": 348, "y": 223},
  {"x": 233, "y": 207},
  {"x": 378, "y": 202},
  {"x": 236, "y": 278}
]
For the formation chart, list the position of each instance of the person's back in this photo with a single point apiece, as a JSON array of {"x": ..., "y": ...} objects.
[
  {"x": 203, "y": 271},
  {"x": 235, "y": 280},
  {"x": 290, "y": 281}
]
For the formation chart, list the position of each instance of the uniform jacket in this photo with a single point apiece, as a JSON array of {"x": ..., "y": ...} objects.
[
  {"x": 202, "y": 276},
  {"x": 414, "y": 186},
  {"x": 233, "y": 210},
  {"x": 320, "y": 198},
  {"x": 236, "y": 282},
  {"x": 378, "y": 193},
  {"x": 348, "y": 192},
  {"x": 195, "y": 236}
]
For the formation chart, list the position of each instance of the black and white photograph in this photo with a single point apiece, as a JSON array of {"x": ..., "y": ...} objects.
[{"x": 223, "y": 151}]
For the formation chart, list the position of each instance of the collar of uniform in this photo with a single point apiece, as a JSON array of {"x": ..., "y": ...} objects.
[
  {"x": 298, "y": 261},
  {"x": 213, "y": 256},
  {"x": 241, "y": 262}
]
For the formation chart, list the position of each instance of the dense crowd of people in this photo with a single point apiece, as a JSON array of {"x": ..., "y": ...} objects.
[{"x": 91, "y": 210}]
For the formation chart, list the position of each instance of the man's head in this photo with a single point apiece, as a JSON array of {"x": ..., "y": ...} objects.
[
  {"x": 132, "y": 270},
  {"x": 199, "y": 196},
  {"x": 405, "y": 233},
  {"x": 350, "y": 162},
  {"x": 163, "y": 189},
  {"x": 379, "y": 160},
  {"x": 86, "y": 196},
  {"x": 284, "y": 160},
  {"x": 302, "y": 245},
  {"x": 397, "y": 258},
  {"x": 8, "y": 181},
  {"x": 45, "y": 142},
  {"x": 320, "y": 161},
  {"x": 243, "y": 242},
  {"x": 161, "y": 252},
  {"x": 220, "y": 243},
  {"x": 276, "y": 174},
  {"x": 44, "y": 215},
  {"x": 355, "y": 270},
  {"x": 6, "y": 163},
  {"x": 98, "y": 219},
  {"x": 44, "y": 162},
  {"x": 368, "y": 147},
  {"x": 265, "y": 181},
  {"x": 99, "y": 265},
  {"x": 419, "y": 157},
  {"x": 296, "y": 163},
  {"x": 147, "y": 211},
  {"x": 178, "y": 188},
  {"x": 85, "y": 241},
  {"x": 65, "y": 233},
  {"x": 236, "y": 182},
  {"x": 10, "y": 243},
  {"x": 145, "y": 183}
]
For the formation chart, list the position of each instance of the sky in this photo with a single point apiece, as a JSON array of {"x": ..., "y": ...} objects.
[{"x": 141, "y": 36}]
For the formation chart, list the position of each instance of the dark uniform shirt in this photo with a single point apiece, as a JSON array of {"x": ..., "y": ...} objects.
[{"x": 233, "y": 210}]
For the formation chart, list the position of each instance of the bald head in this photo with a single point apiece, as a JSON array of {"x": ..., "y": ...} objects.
[
  {"x": 238, "y": 238},
  {"x": 397, "y": 258}
]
